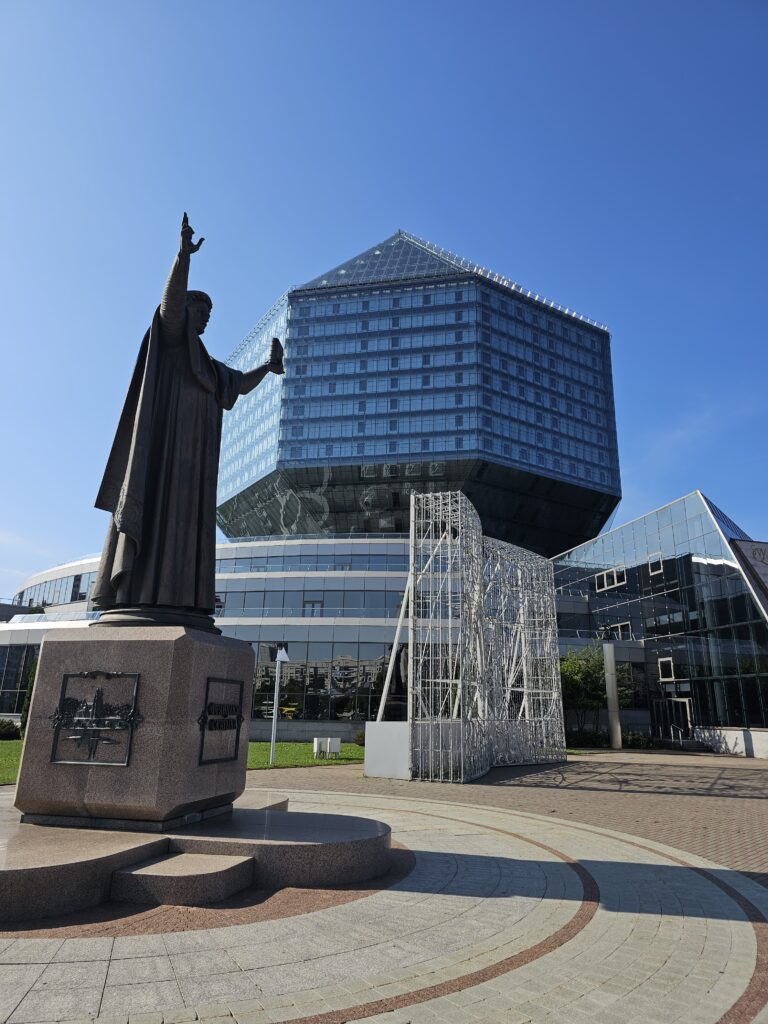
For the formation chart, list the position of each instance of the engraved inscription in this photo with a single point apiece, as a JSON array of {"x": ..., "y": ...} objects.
[{"x": 220, "y": 721}]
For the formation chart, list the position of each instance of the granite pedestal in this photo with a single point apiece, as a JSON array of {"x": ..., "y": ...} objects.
[{"x": 136, "y": 727}]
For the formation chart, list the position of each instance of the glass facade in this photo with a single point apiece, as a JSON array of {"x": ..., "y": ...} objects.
[
  {"x": 17, "y": 663},
  {"x": 411, "y": 369},
  {"x": 250, "y": 430},
  {"x": 669, "y": 585},
  {"x": 333, "y": 602},
  {"x": 57, "y": 590}
]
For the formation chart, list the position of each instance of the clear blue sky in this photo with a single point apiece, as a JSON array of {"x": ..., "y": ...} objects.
[{"x": 610, "y": 155}]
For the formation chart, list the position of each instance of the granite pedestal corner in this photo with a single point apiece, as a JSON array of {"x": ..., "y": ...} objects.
[{"x": 140, "y": 725}]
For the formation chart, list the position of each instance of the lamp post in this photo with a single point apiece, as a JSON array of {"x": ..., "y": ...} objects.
[{"x": 282, "y": 655}]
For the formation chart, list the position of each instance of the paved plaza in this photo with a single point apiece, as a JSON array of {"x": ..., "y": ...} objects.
[{"x": 613, "y": 889}]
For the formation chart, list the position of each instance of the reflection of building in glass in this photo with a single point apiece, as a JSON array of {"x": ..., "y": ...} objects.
[
  {"x": 409, "y": 368},
  {"x": 668, "y": 589}
]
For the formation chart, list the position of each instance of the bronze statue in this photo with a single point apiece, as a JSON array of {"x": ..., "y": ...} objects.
[{"x": 158, "y": 562}]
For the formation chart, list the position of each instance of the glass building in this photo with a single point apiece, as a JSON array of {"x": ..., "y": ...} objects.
[
  {"x": 675, "y": 593},
  {"x": 331, "y": 601},
  {"x": 410, "y": 368}
]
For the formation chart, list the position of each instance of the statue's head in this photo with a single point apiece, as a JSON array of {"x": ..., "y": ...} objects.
[{"x": 199, "y": 307}]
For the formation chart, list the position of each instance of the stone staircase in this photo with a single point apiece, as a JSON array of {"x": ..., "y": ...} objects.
[{"x": 182, "y": 879}]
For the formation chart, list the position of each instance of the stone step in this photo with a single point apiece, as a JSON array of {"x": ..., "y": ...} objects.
[{"x": 182, "y": 879}]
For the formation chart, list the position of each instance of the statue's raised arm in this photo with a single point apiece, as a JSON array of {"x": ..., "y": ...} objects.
[{"x": 174, "y": 301}]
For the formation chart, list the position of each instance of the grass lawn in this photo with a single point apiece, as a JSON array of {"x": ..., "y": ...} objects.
[
  {"x": 10, "y": 755},
  {"x": 287, "y": 755},
  {"x": 299, "y": 755}
]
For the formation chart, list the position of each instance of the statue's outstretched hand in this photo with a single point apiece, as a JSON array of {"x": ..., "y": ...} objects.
[
  {"x": 275, "y": 363},
  {"x": 186, "y": 245}
]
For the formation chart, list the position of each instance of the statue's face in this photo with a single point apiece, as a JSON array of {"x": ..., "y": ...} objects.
[{"x": 199, "y": 314}]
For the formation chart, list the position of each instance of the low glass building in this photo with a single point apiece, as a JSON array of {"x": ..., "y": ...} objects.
[
  {"x": 672, "y": 591},
  {"x": 331, "y": 601}
]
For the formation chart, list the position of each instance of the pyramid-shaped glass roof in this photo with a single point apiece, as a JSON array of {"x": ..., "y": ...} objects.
[
  {"x": 398, "y": 258},
  {"x": 730, "y": 529},
  {"x": 403, "y": 257}
]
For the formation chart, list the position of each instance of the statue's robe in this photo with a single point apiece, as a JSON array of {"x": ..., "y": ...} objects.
[{"x": 160, "y": 480}]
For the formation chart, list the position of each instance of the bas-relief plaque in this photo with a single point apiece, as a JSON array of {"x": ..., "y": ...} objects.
[
  {"x": 220, "y": 721},
  {"x": 95, "y": 719}
]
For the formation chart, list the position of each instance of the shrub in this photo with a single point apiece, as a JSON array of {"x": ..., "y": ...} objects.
[
  {"x": 8, "y": 730},
  {"x": 637, "y": 740},
  {"x": 359, "y": 737},
  {"x": 585, "y": 738}
]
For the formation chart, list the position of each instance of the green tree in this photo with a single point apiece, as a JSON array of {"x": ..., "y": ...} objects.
[{"x": 582, "y": 674}]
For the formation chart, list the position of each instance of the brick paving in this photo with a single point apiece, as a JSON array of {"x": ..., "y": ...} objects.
[
  {"x": 709, "y": 805},
  {"x": 537, "y": 896}
]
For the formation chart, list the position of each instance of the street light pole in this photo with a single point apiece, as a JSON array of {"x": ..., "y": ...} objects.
[{"x": 282, "y": 655}]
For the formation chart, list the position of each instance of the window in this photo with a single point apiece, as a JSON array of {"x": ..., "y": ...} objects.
[
  {"x": 395, "y": 342},
  {"x": 395, "y": 321},
  {"x": 364, "y": 325},
  {"x": 426, "y": 359},
  {"x": 392, "y": 446},
  {"x": 655, "y": 564},
  {"x": 666, "y": 669},
  {"x": 393, "y": 425},
  {"x": 459, "y": 378},
  {"x": 610, "y": 578},
  {"x": 458, "y": 316},
  {"x": 458, "y": 336},
  {"x": 329, "y": 450},
  {"x": 394, "y": 383},
  {"x": 393, "y": 403},
  {"x": 425, "y": 444},
  {"x": 394, "y": 362},
  {"x": 458, "y": 296},
  {"x": 620, "y": 631},
  {"x": 332, "y": 388},
  {"x": 361, "y": 406},
  {"x": 361, "y": 426},
  {"x": 366, "y": 305},
  {"x": 395, "y": 303},
  {"x": 426, "y": 380},
  {"x": 426, "y": 300}
]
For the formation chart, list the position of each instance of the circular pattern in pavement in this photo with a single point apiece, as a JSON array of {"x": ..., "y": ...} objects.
[{"x": 505, "y": 917}]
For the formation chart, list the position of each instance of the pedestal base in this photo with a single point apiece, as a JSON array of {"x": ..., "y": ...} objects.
[{"x": 136, "y": 724}]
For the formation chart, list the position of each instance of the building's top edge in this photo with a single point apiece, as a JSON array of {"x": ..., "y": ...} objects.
[
  {"x": 629, "y": 522},
  {"x": 459, "y": 263},
  {"x": 58, "y": 569},
  {"x": 258, "y": 327}
]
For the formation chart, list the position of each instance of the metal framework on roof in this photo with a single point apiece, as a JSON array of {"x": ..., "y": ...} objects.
[{"x": 483, "y": 662}]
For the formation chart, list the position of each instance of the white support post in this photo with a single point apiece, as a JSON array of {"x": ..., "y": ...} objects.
[
  {"x": 393, "y": 655},
  {"x": 281, "y": 657}
]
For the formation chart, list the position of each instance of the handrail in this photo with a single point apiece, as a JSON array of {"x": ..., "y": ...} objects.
[{"x": 680, "y": 731}]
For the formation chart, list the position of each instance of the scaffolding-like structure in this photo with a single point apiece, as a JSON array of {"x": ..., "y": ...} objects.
[{"x": 483, "y": 665}]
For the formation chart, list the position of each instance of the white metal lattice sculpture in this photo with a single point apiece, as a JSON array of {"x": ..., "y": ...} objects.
[{"x": 483, "y": 665}]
